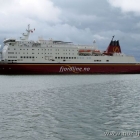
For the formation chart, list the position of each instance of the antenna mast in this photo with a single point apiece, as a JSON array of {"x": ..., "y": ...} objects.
[{"x": 26, "y": 35}]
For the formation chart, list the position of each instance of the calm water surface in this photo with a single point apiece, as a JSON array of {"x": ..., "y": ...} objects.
[{"x": 69, "y": 107}]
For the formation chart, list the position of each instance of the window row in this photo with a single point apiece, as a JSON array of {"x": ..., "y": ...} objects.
[
  {"x": 44, "y": 49},
  {"x": 12, "y": 60},
  {"x": 100, "y": 60},
  {"x": 27, "y": 57},
  {"x": 38, "y": 49},
  {"x": 65, "y": 57},
  {"x": 73, "y": 58},
  {"x": 10, "y": 52},
  {"x": 12, "y": 56},
  {"x": 97, "y": 60}
]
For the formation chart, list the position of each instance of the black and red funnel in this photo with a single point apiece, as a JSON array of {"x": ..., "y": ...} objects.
[{"x": 114, "y": 47}]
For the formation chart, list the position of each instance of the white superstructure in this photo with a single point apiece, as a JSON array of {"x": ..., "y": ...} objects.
[{"x": 51, "y": 51}]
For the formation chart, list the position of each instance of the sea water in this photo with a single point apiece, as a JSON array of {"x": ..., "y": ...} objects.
[{"x": 69, "y": 107}]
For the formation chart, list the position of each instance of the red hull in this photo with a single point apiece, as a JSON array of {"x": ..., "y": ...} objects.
[{"x": 69, "y": 68}]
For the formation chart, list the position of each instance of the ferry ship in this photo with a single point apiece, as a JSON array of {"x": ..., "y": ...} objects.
[{"x": 24, "y": 56}]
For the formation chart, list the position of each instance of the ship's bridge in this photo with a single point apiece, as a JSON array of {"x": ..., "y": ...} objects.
[{"x": 10, "y": 41}]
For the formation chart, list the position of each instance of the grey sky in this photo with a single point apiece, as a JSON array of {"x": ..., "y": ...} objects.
[{"x": 78, "y": 21}]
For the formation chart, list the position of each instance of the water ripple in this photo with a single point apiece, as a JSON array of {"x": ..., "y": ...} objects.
[{"x": 68, "y": 107}]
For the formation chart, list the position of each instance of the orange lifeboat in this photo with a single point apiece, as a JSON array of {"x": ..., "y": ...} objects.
[
  {"x": 85, "y": 52},
  {"x": 96, "y": 51}
]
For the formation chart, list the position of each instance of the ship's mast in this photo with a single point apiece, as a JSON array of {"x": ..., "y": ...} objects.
[
  {"x": 25, "y": 36},
  {"x": 113, "y": 37},
  {"x": 94, "y": 45}
]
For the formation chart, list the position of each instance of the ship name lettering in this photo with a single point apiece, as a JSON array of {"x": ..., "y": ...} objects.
[{"x": 72, "y": 69}]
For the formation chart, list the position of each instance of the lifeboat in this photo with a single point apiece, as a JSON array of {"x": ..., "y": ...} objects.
[
  {"x": 85, "y": 52},
  {"x": 96, "y": 52}
]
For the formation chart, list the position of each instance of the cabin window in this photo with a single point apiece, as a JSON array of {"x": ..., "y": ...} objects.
[
  {"x": 107, "y": 60},
  {"x": 10, "y": 52}
]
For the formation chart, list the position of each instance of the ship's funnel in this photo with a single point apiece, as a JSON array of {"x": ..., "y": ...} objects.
[{"x": 113, "y": 47}]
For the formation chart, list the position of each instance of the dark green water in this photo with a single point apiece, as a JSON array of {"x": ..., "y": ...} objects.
[{"x": 69, "y": 107}]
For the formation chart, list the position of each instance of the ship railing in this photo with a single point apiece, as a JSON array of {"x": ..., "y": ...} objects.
[
  {"x": 75, "y": 46},
  {"x": 64, "y": 44},
  {"x": 85, "y": 46}
]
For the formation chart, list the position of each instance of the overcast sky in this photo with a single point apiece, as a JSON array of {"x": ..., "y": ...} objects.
[{"x": 79, "y": 21}]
